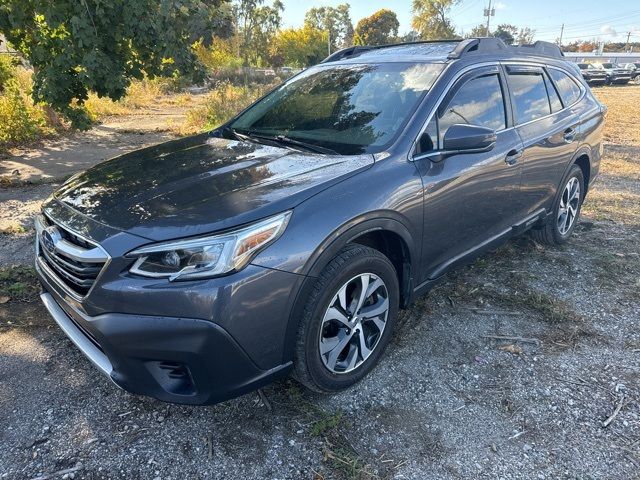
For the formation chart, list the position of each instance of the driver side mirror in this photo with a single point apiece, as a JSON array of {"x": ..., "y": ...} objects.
[
  {"x": 462, "y": 138},
  {"x": 459, "y": 138}
]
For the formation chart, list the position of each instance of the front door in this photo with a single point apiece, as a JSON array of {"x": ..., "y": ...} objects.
[{"x": 468, "y": 196}]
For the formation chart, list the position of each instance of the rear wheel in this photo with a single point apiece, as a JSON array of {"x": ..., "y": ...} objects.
[
  {"x": 566, "y": 211},
  {"x": 347, "y": 321}
]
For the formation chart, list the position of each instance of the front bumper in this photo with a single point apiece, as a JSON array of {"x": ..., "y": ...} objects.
[
  {"x": 176, "y": 360},
  {"x": 620, "y": 78}
]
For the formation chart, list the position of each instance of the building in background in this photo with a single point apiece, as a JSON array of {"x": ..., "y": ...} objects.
[{"x": 604, "y": 57}]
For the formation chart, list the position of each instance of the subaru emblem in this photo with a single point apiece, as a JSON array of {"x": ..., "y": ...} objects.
[{"x": 50, "y": 236}]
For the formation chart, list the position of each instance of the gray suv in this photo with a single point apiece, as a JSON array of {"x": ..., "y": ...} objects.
[{"x": 285, "y": 241}]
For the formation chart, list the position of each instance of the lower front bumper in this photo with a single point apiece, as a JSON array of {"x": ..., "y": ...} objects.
[{"x": 176, "y": 360}]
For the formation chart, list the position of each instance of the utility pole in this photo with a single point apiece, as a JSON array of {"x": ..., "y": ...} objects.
[
  {"x": 626, "y": 47},
  {"x": 328, "y": 25},
  {"x": 489, "y": 12},
  {"x": 561, "y": 34}
]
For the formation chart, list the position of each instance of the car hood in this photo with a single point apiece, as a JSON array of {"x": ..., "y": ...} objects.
[{"x": 201, "y": 184}]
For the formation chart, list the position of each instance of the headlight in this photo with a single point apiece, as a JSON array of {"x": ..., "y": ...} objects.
[{"x": 207, "y": 256}]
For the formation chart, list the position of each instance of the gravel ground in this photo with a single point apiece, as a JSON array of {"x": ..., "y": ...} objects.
[{"x": 557, "y": 399}]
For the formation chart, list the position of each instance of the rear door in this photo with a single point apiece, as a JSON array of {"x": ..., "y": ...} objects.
[
  {"x": 548, "y": 130},
  {"x": 468, "y": 196}
]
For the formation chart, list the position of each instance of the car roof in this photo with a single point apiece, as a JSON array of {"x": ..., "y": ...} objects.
[{"x": 472, "y": 49}]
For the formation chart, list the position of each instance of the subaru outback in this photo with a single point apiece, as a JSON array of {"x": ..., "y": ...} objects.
[{"x": 286, "y": 240}]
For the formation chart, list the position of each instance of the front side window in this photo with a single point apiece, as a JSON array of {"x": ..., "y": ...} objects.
[
  {"x": 478, "y": 102},
  {"x": 568, "y": 88},
  {"x": 530, "y": 96},
  {"x": 350, "y": 109}
]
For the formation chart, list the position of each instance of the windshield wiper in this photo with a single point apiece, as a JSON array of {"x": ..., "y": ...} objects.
[
  {"x": 284, "y": 140},
  {"x": 237, "y": 135},
  {"x": 250, "y": 136}
]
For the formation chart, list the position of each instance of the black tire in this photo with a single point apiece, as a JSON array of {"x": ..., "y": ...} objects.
[
  {"x": 353, "y": 260},
  {"x": 550, "y": 233}
]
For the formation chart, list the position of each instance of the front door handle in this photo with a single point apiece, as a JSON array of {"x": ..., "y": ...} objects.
[
  {"x": 569, "y": 135},
  {"x": 513, "y": 156}
]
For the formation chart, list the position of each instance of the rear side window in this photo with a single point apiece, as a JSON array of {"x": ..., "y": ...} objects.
[
  {"x": 554, "y": 98},
  {"x": 478, "y": 102},
  {"x": 529, "y": 95},
  {"x": 568, "y": 88}
]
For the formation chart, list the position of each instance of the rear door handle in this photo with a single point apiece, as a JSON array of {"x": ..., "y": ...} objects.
[
  {"x": 569, "y": 135},
  {"x": 513, "y": 156}
]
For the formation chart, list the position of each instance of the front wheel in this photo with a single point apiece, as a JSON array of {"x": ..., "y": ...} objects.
[
  {"x": 566, "y": 210},
  {"x": 348, "y": 320}
]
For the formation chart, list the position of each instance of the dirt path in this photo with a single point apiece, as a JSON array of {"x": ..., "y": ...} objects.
[
  {"x": 454, "y": 397},
  {"x": 58, "y": 159}
]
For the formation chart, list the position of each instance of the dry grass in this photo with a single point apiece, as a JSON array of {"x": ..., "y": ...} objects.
[
  {"x": 623, "y": 118},
  {"x": 140, "y": 94},
  {"x": 619, "y": 205},
  {"x": 624, "y": 165},
  {"x": 220, "y": 105},
  {"x": 616, "y": 196}
]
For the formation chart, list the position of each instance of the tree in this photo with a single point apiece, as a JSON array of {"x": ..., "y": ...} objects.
[
  {"x": 525, "y": 36},
  {"x": 299, "y": 47},
  {"x": 381, "y": 28},
  {"x": 507, "y": 33},
  {"x": 477, "y": 31},
  {"x": 210, "y": 19},
  {"x": 411, "y": 36},
  {"x": 97, "y": 45},
  {"x": 430, "y": 19},
  {"x": 258, "y": 24},
  {"x": 336, "y": 21}
]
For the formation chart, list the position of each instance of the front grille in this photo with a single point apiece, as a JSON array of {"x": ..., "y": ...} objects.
[{"x": 74, "y": 261}]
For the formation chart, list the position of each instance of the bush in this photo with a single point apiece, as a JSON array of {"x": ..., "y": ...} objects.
[
  {"x": 7, "y": 70},
  {"x": 220, "y": 56},
  {"x": 222, "y": 104},
  {"x": 20, "y": 120}
]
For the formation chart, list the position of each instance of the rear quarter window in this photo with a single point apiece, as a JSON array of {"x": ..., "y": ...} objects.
[
  {"x": 530, "y": 96},
  {"x": 567, "y": 87}
]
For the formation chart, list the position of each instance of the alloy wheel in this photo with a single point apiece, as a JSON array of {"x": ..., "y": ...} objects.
[
  {"x": 569, "y": 204},
  {"x": 353, "y": 323}
]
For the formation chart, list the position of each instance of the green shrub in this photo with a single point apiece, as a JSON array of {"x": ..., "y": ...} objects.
[
  {"x": 20, "y": 120},
  {"x": 7, "y": 70}
]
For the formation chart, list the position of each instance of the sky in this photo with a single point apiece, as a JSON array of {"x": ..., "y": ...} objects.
[{"x": 608, "y": 20}]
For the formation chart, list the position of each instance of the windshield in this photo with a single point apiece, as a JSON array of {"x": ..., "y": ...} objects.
[
  {"x": 583, "y": 66},
  {"x": 608, "y": 65},
  {"x": 350, "y": 109}
]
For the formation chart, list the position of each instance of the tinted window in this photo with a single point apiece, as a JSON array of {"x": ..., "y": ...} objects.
[
  {"x": 529, "y": 95},
  {"x": 478, "y": 102},
  {"x": 554, "y": 98},
  {"x": 348, "y": 108},
  {"x": 568, "y": 88}
]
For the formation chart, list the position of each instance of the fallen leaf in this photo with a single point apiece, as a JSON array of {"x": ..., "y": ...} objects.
[
  {"x": 4, "y": 300},
  {"x": 511, "y": 348}
]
